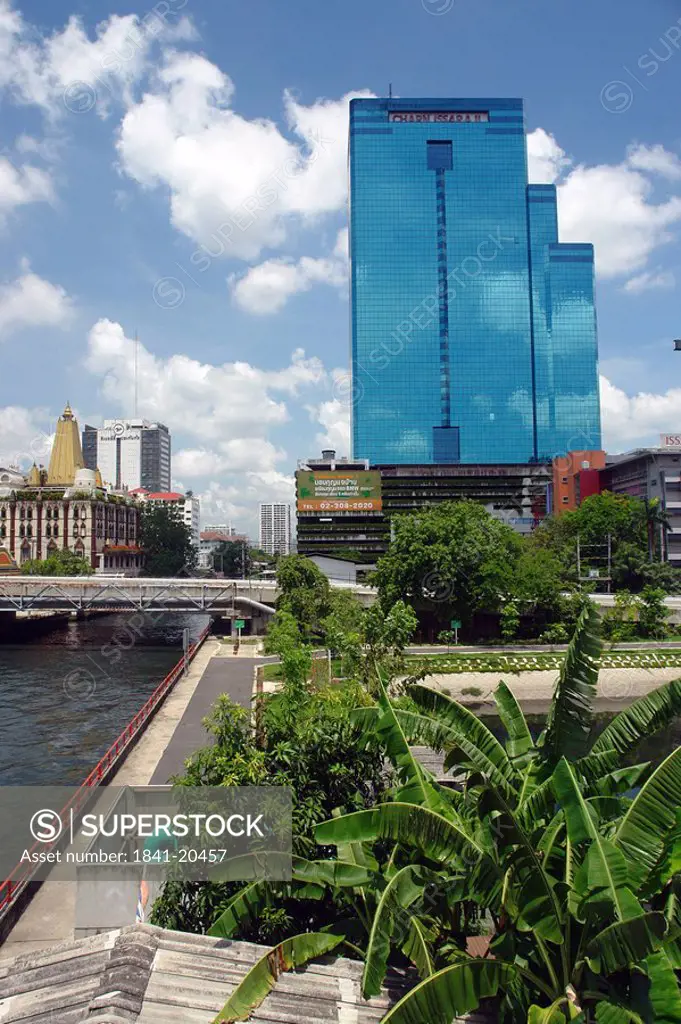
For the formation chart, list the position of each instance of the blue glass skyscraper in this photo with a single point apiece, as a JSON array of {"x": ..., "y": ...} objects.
[{"x": 473, "y": 327}]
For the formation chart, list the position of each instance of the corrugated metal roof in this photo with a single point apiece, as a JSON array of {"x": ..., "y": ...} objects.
[{"x": 146, "y": 975}]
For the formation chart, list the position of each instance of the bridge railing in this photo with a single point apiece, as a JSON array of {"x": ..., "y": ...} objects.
[{"x": 12, "y": 888}]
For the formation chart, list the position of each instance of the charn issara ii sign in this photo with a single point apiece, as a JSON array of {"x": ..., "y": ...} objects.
[
  {"x": 338, "y": 491},
  {"x": 438, "y": 116}
]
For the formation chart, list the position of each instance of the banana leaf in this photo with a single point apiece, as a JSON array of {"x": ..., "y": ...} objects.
[
  {"x": 664, "y": 995},
  {"x": 334, "y": 873},
  {"x": 246, "y": 905},
  {"x": 262, "y": 977},
  {"x": 626, "y": 943},
  {"x": 399, "y": 894},
  {"x": 409, "y": 825},
  {"x": 642, "y": 719},
  {"x": 571, "y": 714},
  {"x": 454, "y": 991},
  {"x": 511, "y": 714},
  {"x": 604, "y": 870},
  {"x": 417, "y": 946},
  {"x": 417, "y": 784},
  {"x": 646, "y": 828},
  {"x": 479, "y": 745}
]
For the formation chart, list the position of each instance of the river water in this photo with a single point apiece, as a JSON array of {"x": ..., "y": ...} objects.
[{"x": 66, "y": 695}]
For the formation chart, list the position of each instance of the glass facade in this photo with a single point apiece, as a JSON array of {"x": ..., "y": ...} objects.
[{"x": 473, "y": 327}]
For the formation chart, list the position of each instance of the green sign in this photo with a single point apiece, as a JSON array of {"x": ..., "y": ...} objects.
[
  {"x": 239, "y": 623},
  {"x": 455, "y": 624}
]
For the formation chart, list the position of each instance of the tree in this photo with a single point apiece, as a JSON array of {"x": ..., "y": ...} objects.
[
  {"x": 579, "y": 880},
  {"x": 653, "y": 613},
  {"x": 166, "y": 542},
  {"x": 304, "y": 592},
  {"x": 61, "y": 562},
  {"x": 449, "y": 561},
  {"x": 314, "y": 749},
  {"x": 233, "y": 558},
  {"x": 627, "y": 523}
]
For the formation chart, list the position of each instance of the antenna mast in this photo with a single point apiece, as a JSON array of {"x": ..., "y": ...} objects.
[{"x": 137, "y": 345}]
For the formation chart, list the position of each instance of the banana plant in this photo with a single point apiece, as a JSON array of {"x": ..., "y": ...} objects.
[{"x": 580, "y": 883}]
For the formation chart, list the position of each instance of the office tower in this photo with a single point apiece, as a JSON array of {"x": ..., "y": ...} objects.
[
  {"x": 275, "y": 528},
  {"x": 134, "y": 453},
  {"x": 473, "y": 327},
  {"x": 89, "y": 436}
]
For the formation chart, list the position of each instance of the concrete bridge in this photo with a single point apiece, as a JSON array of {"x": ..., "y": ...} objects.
[{"x": 122, "y": 593}]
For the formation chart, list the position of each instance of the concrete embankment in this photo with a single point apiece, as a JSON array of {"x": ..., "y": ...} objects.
[
  {"x": 173, "y": 734},
  {"x": 617, "y": 687}
]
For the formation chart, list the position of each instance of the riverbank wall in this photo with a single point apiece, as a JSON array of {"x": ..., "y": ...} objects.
[{"x": 35, "y": 915}]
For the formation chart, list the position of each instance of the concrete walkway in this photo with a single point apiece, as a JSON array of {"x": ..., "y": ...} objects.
[
  {"x": 175, "y": 732},
  {"x": 234, "y": 676}
]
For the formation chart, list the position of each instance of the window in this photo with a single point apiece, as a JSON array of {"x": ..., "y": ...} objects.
[
  {"x": 440, "y": 155},
  {"x": 564, "y": 480},
  {"x": 565, "y": 500}
]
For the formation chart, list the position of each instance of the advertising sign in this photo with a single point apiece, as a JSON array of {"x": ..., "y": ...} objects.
[
  {"x": 338, "y": 491},
  {"x": 438, "y": 116},
  {"x": 670, "y": 440}
]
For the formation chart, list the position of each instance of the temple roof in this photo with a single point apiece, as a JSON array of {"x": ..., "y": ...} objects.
[{"x": 67, "y": 453}]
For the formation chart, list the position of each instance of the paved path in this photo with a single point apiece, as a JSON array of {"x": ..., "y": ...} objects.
[{"x": 233, "y": 676}]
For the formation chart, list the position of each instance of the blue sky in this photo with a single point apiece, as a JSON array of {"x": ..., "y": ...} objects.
[{"x": 178, "y": 170}]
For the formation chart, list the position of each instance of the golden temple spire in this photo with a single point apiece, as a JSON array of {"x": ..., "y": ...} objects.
[{"x": 67, "y": 453}]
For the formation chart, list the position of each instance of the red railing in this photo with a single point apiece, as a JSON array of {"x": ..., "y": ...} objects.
[{"x": 21, "y": 876}]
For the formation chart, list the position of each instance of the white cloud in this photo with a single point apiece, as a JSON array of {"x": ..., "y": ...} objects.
[
  {"x": 25, "y": 436},
  {"x": 334, "y": 417},
  {"x": 649, "y": 280},
  {"x": 266, "y": 288},
  {"x": 655, "y": 159},
  {"x": 610, "y": 204},
  {"x": 68, "y": 71},
  {"x": 30, "y": 301},
  {"x": 236, "y": 185},
  {"x": 208, "y": 402},
  {"x": 22, "y": 185},
  {"x": 234, "y": 456},
  {"x": 633, "y": 420},
  {"x": 546, "y": 160},
  {"x": 237, "y": 502}
]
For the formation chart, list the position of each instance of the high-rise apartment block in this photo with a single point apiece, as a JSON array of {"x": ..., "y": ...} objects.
[
  {"x": 473, "y": 326},
  {"x": 275, "y": 528},
  {"x": 130, "y": 453}
]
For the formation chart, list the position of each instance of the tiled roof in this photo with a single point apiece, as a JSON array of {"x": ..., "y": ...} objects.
[
  {"x": 145, "y": 975},
  {"x": 165, "y": 496}
]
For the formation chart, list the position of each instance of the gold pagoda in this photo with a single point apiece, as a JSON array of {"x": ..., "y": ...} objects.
[{"x": 67, "y": 453}]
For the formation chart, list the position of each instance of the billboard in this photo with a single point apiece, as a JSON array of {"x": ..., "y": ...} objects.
[{"x": 338, "y": 491}]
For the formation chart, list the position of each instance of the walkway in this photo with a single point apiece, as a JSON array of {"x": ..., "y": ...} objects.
[{"x": 223, "y": 674}]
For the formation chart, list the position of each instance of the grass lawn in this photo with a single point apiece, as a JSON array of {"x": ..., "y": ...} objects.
[{"x": 445, "y": 664}]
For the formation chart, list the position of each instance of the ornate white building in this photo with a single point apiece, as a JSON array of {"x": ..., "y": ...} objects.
[{"x": 66, "y": 507}]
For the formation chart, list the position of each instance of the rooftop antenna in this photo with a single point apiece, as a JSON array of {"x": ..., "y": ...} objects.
[
  {"x": 137, "y": 346},
  {"x": 390, "y": 90}
]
